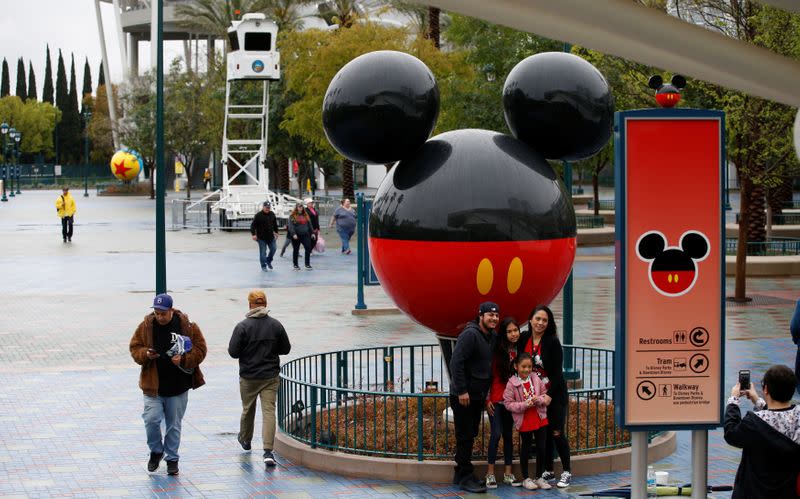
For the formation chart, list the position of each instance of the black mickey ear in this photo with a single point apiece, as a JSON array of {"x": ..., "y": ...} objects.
[
  {"x": 695, "y": 245},
  {"x": 651, "y": 245},
  {"x": 655, "y": 82},
  {"x": 679, "y": 81}
]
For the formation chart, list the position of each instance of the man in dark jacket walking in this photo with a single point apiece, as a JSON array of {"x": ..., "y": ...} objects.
[
  {"x": 264, "y": 229},
  {"x": 470, "y": 378},
  {"x": 769, "y": 438},
  {"x": 257, "y": 342}
]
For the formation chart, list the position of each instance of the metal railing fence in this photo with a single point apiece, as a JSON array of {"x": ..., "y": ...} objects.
[
  {"x": 605, "y": 204},
  {"x": 589, "y": 221},
  {"x": 784, "y": 246},
  {"x": 393, "y": 402}
]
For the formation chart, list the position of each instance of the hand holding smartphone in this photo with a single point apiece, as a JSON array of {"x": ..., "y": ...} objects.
[
  {"x": 152, "y": 354},
  {"x": 744, "y": 379}
]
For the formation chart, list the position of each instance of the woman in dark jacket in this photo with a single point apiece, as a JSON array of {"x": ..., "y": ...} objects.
[
  {"x": 541, "y": 341},
  {"x": 300, "y": 230}
]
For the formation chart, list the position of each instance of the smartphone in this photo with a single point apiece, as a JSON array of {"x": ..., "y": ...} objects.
[
  {"x": 744, "y": 379},
  {"x": 150, "y": 350}
]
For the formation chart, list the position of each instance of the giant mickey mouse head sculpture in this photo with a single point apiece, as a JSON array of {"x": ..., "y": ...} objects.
[{"x": 469, "y": 215}]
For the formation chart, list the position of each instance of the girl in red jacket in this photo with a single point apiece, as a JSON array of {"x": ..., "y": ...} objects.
[
  {"x": 526, "y": 398},
  {"x": 500, "y": 419}
]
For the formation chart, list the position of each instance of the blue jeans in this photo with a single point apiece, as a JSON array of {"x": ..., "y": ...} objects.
[
  {"x": 502, "y": 426},
  {"x": 170, "y": 410},
  {"x": 263, "y": 257},
  {"x": 345, "y": 236}
]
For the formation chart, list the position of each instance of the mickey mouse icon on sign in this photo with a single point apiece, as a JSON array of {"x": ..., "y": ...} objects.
[{"x": 673, "y": 269}]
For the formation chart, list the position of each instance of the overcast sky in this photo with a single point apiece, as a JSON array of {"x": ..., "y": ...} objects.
[{"x": 68, "y": 25}]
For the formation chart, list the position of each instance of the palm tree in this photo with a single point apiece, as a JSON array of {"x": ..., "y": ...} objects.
[
  {"x": 214, "y": 16},
  {"x": 341, "y": 12},
  {"x": 285, "y": 13}
]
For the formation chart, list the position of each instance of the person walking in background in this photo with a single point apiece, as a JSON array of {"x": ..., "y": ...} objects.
[
  {"x": 548, "y": 357},
  {"x": 526, "y": 398},
  {"x": 65, "y": 207},
  {"x": 794, "y": 328},
  {"x": 300, "y": 229},
  {"x": 345, "y": 219},
  {"x": 264, "y": 229},
  {"x": 769, "y": 438},
  {"x": 313, "y": 216},
  {"x": 257, "y": 341},
  {"x": 500, "y": 419},
  {"x": 470, "y": 380},
  {"x": 207, "y": 179},
  {"x": 170, "y": 348}
]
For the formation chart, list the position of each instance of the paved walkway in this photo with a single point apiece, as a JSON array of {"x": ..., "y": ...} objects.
[{"x": 70, "y": 422}]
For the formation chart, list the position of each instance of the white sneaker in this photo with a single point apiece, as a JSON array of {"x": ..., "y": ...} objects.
[
  {"x": 548, "y": 475},
  {"x": 491, "y": 482},
  {"x": 542, "y": 484},
  {"x": 563, "y": 482},
  {"x": 529, "y": 484}
]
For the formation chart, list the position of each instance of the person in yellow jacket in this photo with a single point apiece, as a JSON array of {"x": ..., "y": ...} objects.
[{"x": 65, "y": 207}]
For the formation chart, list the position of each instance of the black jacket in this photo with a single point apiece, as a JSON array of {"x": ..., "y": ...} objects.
[
  {"x": 257, "y": 342},
  {"x": 770, "y": 460},
  {"x": 264, "y": 226},
  {"x": 471, "y": 362},
  {"x": 314, "y": 216},
  {"x": 552, "y": 362}
]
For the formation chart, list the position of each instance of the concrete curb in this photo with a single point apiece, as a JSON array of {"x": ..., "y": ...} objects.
[
  {"x": 601, "y": 236},
  {"x": 341, "y": 463},
  {"x": 376, "y": 311}
]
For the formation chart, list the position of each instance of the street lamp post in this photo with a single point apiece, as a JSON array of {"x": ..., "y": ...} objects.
[
  {"x": 15, "y": 137},
  {"x": 87, "y": 115},
  {"x": 17, "y": 140},
  {"x": 4, "y": 131}
]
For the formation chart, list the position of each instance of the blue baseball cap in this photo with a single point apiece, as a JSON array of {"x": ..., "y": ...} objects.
[{"x": 162, "y": 302}]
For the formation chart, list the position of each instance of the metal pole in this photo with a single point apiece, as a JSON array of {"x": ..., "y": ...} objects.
[
  {"x": 638, "y": 465},
  {"x": 112, "y": 110},
  {"x": 18, "y": 168},
  {"x": 568, "y": 287},
  {"x": 161, "y": 256},
  {"x": 727, "y": 190},
  {"x": 699, "y": 464},
  {"x": 5, "y": 166},
  {"x": 10, "y": 172},
  {"x": 86, "y": 161},
  {"x": 360, "y": 305}
]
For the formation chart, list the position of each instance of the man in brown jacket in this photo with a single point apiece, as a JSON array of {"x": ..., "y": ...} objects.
[{"x": 170, "y": 349}]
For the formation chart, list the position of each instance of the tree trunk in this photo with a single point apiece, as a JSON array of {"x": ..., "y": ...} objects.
[
  {"x": 740, "y": 287},
  {"x": 780, "y": 196},
  {"x": 283, "y": 173},
  {"x": 189, "y": 169},
  {"x": 757, "y": 219},
  {"x": 433, "y": 25},
  {"x": 348, "y": 190},
  {"x": 596, "y": 191}
]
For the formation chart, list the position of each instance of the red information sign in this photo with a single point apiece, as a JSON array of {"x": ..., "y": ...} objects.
[{"x": 670, "y": 267}]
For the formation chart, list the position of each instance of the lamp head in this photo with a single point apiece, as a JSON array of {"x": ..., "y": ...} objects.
[
  {"x": 18, "y": 137},
  {"x": 4, "y": 128},
  {"x": 12, "y": 133}
]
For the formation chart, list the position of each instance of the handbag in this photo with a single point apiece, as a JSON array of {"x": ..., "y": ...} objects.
[{"x": 320, "y": 246}]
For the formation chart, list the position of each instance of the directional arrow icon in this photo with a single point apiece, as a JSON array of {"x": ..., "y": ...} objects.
[
  {"x": 699, "y": 336},
  {"x": 698, "y": 363}
]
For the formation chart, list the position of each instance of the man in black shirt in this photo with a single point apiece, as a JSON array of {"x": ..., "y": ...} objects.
[
  {"x": 257, "y": 342},
  {"x": 170, "y": 349},
  {"x": 470, "y": 379},
  {"x": 264, "y": 229}
]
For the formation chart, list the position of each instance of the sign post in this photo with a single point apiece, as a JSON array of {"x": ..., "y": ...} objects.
[{"x": 670, "y": 258}]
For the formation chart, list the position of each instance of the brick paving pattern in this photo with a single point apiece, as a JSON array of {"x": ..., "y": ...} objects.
[{"x": 70, "y": 408}]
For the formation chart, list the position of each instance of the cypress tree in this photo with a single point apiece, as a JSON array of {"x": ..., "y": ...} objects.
[
  {"x": 72, "y": 120},
  {"x": 22, "y": 91},
  {"x": 101, "y": 76},
  {"x": 32, "y": 94},
  {"x": 47, "y": 89},
  {"x": 5, "y": 84},
  {"x": 87, "y": 79},
  {"x": 62, "y": 98}
]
